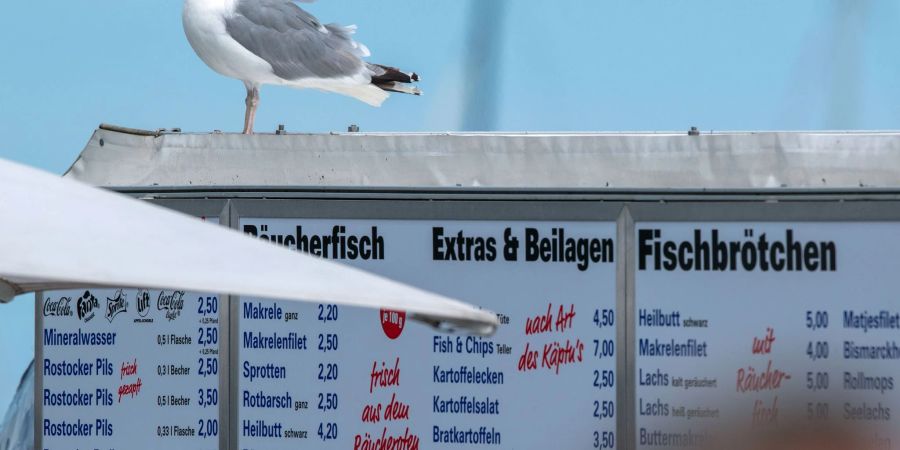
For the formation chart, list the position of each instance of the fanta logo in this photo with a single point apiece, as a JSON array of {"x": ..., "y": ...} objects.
[{"x": 86, "y": 305}]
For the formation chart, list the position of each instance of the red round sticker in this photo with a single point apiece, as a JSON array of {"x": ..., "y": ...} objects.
[{"x": 392, "y": 323}]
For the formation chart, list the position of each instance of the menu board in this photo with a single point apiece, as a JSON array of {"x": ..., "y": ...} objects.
[
  {"x": 328, "y": 376},
  {"x": 129, "y": 369},
  {"x": 763, "y": 324}
]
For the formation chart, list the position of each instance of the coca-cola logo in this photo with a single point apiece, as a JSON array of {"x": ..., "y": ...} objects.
[
  {"x": 142, "y": 298},
  {"x": 86, "y": 306},
  {"x": 171, "y": 302},
  {"x": 59, "y": 307},
  {"x": 116, "y": 305},
  {"x": 392, "y": 322}
]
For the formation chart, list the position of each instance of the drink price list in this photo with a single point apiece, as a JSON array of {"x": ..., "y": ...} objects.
[
  {"x": 128, "y": 369},
  {"x": 765, "y": 324},
  {"x": 327, "y": 376}
]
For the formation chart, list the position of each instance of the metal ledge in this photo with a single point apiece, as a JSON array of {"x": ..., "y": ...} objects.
[{"x": 618, "y": 165}]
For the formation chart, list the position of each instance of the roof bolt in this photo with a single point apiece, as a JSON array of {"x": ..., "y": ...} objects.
[
  {"x": 280, "y": 129},
  {"x": 693, "y": 132},
  {"x": 102, "y": 143},
  {"x": 354, "y": 128}
]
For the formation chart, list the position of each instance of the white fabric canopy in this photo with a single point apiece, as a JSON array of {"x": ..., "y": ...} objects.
[{"x": 59, "y": 234}]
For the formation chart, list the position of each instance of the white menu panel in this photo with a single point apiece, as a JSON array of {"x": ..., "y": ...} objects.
[
  {"x": 763, "y": 324},
  {"x": 324, "y": 376},
  {"x": 129, "y": 369}
]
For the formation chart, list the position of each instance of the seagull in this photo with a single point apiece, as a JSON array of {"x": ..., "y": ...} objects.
[{"x": 278, "y": 43}]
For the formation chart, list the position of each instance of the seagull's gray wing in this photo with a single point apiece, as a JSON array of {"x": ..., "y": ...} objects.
[{"x": 294, "y": 42}]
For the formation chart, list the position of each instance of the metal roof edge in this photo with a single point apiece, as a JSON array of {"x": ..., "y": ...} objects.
[
  {"x": 176, "y": 131},
  {"x": 822, "y": 161}
]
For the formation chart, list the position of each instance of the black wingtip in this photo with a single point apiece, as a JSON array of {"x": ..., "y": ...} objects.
[{"x": 386, "y": 74}]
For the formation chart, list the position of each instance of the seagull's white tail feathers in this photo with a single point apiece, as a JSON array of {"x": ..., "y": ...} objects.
[
  {"x": 403, "y": 88},
  {"x": 368, "y": 93}
]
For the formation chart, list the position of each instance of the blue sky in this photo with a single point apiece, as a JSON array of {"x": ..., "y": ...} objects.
[{"x": 563, "y": 65}]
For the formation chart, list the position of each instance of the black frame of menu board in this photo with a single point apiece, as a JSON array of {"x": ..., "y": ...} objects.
[
  {"x": 217, "y": 208},
  {"x": 446, "y": 209},
  {"x": 831, "y": 210}
]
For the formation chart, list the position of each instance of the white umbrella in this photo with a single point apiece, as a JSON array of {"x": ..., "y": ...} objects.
[{"x": 60, "y": 234}]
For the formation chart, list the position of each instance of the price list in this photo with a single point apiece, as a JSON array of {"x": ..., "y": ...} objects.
[
  {"x": 765, "y": 324},
  {"x": 329, "y": 376},
  {"x": 129, "y": 369}
]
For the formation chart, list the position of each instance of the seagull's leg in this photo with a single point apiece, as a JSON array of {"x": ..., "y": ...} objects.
[{"x": 252, "y": 103}]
